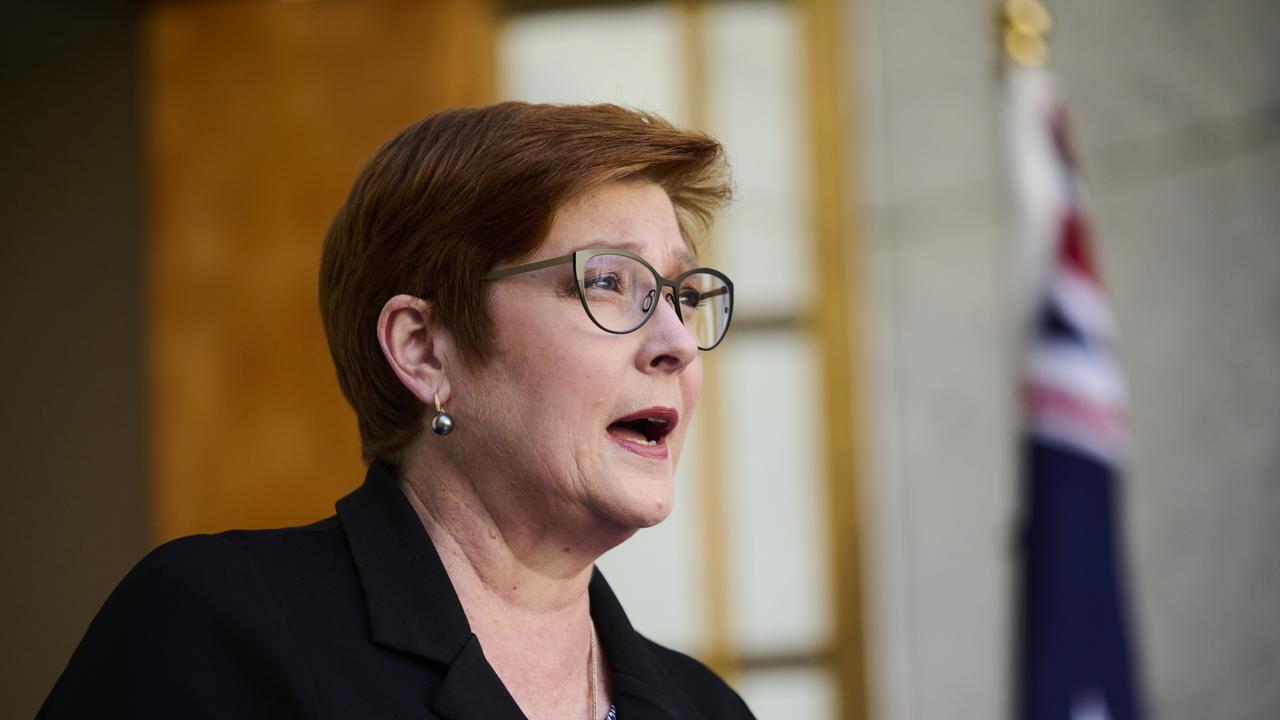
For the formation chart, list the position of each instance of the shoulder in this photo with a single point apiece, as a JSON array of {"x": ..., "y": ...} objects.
[
  {"x": 183, "y": 578},
  {"x": 241, "y": 565},
  {"x": 249, "y": 577},
  {"x": 706, "y": 690},
  {"x": 197, "y": 624}
]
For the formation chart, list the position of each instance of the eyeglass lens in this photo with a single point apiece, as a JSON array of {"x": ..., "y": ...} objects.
[{"x": 620, "y": 292}]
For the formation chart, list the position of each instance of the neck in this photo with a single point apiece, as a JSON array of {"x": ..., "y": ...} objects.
[
  {"x": 522, "y": 582},
  {"x": 493, "y": 553}
]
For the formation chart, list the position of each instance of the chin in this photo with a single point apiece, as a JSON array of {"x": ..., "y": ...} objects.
[{"x": 639, "y": 510}]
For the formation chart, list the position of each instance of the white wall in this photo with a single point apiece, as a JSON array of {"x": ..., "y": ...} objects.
[{"x": 1176, "y": 107}]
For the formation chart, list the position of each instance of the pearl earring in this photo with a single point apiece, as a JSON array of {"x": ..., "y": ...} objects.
[{"x": 442, "y": 423}]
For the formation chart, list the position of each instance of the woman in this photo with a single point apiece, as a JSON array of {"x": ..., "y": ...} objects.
[{"x": 516, "y": 316}]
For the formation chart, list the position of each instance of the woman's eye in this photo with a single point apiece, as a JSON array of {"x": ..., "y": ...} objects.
[
  {"x": 690, "y": 298},
  {"x": 607, "y": 283}
]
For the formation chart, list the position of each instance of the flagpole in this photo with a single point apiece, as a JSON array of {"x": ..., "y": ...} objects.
[
  {"x": 1029, "y": 92},
  {"x": 1019, "y": 31}
]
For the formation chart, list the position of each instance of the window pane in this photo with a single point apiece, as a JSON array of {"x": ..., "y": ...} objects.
[
  {"x": 755, "y": 107},
  {"x": 625, "y": 55},
  {"x": 789, "y": 694},
  {"x": 774, "y": 488}
]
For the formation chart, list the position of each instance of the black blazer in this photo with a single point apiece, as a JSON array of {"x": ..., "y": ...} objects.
[{"x": 352, "y": 617}]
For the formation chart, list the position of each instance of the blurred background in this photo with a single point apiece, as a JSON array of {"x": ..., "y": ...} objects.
[{"x": 843, "y": 544}]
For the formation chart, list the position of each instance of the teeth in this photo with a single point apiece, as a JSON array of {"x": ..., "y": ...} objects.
[{"x": 660, "y": 424}]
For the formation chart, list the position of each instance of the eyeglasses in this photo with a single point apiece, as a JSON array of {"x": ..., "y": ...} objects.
[{"x": 620, "y": 292}]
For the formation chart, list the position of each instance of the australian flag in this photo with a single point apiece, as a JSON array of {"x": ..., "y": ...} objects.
[{"x": 1076, "y": 656}]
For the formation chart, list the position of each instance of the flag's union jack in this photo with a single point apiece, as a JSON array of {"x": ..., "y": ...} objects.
[{"x": 1074, "y": 392}]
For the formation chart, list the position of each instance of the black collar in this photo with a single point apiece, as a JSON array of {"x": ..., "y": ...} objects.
[{"x": 413, "y": 609}]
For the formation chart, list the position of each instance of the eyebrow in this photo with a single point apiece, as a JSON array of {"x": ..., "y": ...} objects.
[{"x": 683, "y": 258}]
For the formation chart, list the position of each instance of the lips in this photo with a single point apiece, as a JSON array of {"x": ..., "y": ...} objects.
[{"x": 644, "y": 432}]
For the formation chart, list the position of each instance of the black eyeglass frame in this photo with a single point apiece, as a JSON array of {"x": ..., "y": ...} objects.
[{"x": 580, "y": 258}]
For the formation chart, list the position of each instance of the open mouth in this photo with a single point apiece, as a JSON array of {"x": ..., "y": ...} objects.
[{"x": 647, "y": 428}]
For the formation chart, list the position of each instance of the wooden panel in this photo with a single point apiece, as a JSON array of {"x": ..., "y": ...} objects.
[{"x": 258, "y": 116}]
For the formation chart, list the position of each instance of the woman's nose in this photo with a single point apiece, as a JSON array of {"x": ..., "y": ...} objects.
[{"x": 669, "y": 344}]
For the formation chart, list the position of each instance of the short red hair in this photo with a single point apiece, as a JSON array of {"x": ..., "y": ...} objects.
[{"x": 457, "y": 193}]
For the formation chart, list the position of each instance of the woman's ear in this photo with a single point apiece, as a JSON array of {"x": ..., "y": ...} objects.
[{"x": 415, "y": 345}]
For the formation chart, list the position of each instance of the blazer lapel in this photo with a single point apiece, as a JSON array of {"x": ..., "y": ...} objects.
[
  {"x": 642, "y": 689},
  {"x": 471, "y": 689},
  {"x": 412, "y": 604}
]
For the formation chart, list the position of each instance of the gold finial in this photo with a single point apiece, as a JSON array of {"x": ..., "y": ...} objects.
[{"x": 1024, "y": 24}]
